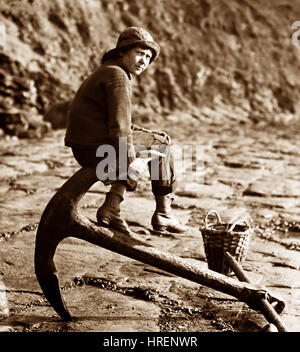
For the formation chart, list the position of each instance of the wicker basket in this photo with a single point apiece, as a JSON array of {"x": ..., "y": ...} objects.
[{"x": 219, "y": 238}]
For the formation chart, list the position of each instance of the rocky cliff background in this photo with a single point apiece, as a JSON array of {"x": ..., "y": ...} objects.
[{"x": 220, "y": 61}]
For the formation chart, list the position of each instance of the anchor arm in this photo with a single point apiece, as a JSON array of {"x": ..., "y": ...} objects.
[{"x": 56, "y": 223}]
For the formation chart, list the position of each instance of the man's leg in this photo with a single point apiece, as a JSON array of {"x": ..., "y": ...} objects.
[
  {"x": 108, "y": 214},
  {"x": 162, "y": 219},
  {"x": 163, "y": 181}
]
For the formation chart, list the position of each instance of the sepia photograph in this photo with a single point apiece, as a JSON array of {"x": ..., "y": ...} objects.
[{"x": 149, "y": 170}]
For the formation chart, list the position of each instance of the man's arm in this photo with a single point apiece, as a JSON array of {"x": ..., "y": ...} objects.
[{"x": 118, "y": 102}]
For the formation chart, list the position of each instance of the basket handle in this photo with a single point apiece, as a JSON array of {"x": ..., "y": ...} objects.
[
  {"x": 244, "y": 220},
  {"x": 209, "y": 213}
]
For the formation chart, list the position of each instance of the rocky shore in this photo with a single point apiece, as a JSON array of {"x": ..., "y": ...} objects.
[{"x": 248, "y": 170}]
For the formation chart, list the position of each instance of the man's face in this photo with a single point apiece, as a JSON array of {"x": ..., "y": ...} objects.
[{"x": 136, "y": 60}]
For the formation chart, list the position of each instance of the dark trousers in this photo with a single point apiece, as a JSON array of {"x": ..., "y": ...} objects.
[{"x": 162, "y": 173}]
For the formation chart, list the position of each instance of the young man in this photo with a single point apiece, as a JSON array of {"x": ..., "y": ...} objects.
[{"x": 100, "y": 114}]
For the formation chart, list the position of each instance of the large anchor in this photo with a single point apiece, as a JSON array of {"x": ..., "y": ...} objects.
[{"x": 61, "y": 219}]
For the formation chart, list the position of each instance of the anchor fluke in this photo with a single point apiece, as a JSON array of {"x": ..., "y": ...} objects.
[{"x": 50, "y": 287}]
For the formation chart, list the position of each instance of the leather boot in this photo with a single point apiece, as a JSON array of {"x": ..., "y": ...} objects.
[
  {"x": 162, "y": 220},
  {"x": 108, "y": 215}
]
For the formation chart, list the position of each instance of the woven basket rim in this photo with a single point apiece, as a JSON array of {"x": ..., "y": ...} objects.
[
  {"x": 217, "y": 228},
  {"x": 227, "y": 227}
]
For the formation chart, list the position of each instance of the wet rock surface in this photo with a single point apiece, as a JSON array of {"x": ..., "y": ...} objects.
[{"x": 247, "y": 171}]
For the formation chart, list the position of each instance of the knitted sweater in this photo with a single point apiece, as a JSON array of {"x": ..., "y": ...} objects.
[{"x": 101, "y": 109}]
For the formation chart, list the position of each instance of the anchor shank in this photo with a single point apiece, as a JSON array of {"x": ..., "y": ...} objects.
[{"x": 136, "y": 249}]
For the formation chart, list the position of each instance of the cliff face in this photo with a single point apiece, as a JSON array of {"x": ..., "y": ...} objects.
[{"x": 220, "y": 59}]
